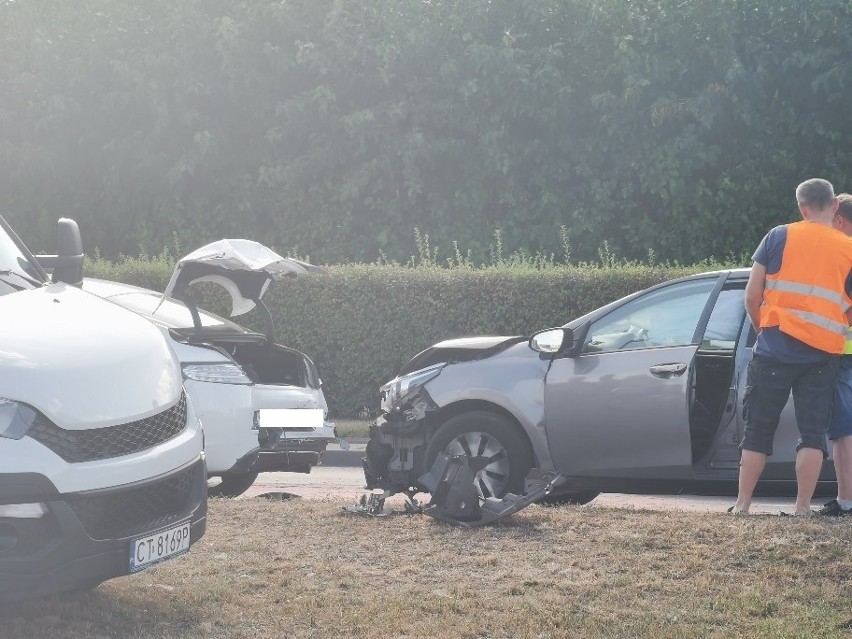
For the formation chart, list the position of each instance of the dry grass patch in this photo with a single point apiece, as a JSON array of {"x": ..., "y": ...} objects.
[
  {"x": 302, "y": 569},
  {"x": 353, "y": 428}
]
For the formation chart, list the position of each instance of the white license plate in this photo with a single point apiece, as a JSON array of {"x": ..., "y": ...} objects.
[
  {"x": 290, "y": 418},
  {"x": 155, "y": 548}
]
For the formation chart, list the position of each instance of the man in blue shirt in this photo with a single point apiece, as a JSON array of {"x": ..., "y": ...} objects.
[
  {"x": 840, "y": 431},
  {"x": 794, "y": 299}
]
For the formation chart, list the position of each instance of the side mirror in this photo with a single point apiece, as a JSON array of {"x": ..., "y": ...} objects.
[
  {"x": 552, "y": 341},
  {"x": 67, "y": 264},
  {"x": 556, "y": 341}
]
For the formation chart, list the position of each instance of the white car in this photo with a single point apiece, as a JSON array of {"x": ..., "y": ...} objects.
[
  {"x": 261, "y": 404},
  {"x": 101, "y": 461}
]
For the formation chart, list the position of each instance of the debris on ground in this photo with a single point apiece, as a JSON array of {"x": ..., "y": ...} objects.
[{"x": 455, "y": 498}]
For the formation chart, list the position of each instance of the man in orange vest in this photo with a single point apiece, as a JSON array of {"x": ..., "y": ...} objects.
[{"x": 796, "y": 298}]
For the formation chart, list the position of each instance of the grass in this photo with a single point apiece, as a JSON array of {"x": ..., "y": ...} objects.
[
  {"x": 302, "y": 569},
  {"x": 351, "y": 428}
]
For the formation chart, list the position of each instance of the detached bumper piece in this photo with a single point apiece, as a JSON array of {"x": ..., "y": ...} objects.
[{"x": 456, "y": 501}]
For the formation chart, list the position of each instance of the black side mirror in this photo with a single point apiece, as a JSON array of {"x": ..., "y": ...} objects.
[{"x": 67, "y": 264}]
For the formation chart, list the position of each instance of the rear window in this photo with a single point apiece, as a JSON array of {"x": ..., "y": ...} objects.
[{"x": 171, "y": 311}]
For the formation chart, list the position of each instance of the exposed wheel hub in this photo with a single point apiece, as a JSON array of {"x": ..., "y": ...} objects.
[{"x": 486, "y": 457}]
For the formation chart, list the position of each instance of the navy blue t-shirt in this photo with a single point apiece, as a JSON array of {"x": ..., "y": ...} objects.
[{"x": 771, "y": 342}]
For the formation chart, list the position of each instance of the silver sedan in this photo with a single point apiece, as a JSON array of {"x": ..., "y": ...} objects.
[{"x": 642, "y": 395}]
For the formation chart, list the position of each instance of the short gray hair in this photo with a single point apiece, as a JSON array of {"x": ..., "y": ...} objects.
[
  {"x": 816, "y": 192},
  {"x": 845, "y": 207}
]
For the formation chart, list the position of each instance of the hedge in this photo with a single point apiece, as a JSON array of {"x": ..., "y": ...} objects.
[{"x": 360, "y": 323}]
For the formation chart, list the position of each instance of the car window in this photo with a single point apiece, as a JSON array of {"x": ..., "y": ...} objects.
[
  {"x": 171, "y": 311},
  {"x": 663, "y": 318},
  {"x": 726, "y": 321}
]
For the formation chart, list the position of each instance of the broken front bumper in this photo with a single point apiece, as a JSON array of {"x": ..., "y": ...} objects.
[
  {"x": 394, "y": 454},
  {"x": 455, "y": 499}
]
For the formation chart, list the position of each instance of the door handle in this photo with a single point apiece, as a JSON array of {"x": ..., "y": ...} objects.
[{"x": 668, "y": 370}]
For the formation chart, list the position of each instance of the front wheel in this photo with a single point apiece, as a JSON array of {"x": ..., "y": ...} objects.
[
  {"x": 497, "y": 451},
  {"x": 232, "y": 485}
]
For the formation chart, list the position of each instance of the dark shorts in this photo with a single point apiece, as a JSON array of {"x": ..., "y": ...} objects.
[
  {"x": 841, "y": 419},
  {"x": 770, "y": 383}
]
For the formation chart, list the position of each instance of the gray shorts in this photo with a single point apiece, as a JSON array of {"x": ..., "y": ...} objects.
[{"x": 770, "y": 383}]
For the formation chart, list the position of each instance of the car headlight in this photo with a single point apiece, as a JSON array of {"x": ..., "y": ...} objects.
[
  {"x": 216, "y": 373},
  {"x": 396, "y": 389},
  {"x": 15, "y": 418}
]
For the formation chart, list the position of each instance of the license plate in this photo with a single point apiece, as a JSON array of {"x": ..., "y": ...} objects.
[
  {"x": 290, "y": 418},
  {"x": 158, "y": 547}
]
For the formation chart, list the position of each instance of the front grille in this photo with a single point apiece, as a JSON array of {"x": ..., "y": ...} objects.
[
  {"x": 122, "y": 513},
  {"x": 113, "y": 441}
]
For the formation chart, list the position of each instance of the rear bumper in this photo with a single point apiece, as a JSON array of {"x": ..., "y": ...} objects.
[
  {"x": 85, "y": 538},
  {"x": 296, "y": 461},
  {"x": 283, "y": 456}
]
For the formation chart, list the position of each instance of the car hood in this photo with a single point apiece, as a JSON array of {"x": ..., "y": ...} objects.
[
  {"x": 242, "y": 267},
  {"x": 463, "y": 349},
  {"x": 83, "y": 362}
]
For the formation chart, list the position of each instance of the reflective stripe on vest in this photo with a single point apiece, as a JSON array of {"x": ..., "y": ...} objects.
[
  {"x": 805, "y": 289},
  {"x": 822, "y": 322},
  {"x": 847, "y": 349}
]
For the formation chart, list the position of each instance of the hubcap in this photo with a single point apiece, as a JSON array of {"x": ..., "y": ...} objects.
[{"x": 487, "y": 458}]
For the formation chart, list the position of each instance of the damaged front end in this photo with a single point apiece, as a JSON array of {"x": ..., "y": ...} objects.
[
  {"x": 398, "y": 439},
  {"x": 396, "y": 462}
]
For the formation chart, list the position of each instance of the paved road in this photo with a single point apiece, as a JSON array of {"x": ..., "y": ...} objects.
[{"x": 346, "y": 483}]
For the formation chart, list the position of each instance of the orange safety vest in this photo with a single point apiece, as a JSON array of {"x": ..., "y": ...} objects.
[{"x": 807, "y": 298}]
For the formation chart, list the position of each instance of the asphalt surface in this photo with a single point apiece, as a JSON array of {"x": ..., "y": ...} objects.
[
  {"x": 339, "y": 477},
  {"x": 336, "y": 455}
]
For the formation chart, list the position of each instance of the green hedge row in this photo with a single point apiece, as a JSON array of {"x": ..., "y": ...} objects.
[{"x": 360, "y": 323}]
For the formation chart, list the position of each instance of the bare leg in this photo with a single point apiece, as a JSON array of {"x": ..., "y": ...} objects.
[
  {"x": 842, "y": 449},
  {"x": 808, "y": 465},
  {"x": 751, "y": 466}
]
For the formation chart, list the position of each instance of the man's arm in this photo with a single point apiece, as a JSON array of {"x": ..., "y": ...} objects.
[{"x": 754, "y": 293}]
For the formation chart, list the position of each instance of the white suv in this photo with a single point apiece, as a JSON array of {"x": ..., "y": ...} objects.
[
  {"x": 101, "y": 463},
  {"x": 261, "y": 403}
]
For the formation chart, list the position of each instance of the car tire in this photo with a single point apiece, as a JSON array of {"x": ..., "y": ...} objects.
[
  {"x": 232, "y": 485},
  {"x": 576, "y": 499},
  {"x": 481, "y": 436}
]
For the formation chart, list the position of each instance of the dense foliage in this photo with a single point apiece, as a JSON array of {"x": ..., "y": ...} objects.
[
  {"x": 361, "y": 323},
  {"x": 337, "y": 127}
]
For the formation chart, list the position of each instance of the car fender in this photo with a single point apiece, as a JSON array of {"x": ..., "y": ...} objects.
[{"x": 512, "y": 381}]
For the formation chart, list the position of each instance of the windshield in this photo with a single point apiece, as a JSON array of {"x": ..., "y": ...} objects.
[{"x": 14, "y": 261}]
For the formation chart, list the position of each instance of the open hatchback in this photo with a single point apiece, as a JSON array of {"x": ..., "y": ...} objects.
[{"x": 261, "y": 403}]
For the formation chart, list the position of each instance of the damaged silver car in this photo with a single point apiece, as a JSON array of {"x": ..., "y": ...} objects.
[{"x": 642, "y": 395}]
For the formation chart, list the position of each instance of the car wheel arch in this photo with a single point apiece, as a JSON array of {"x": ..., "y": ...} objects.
[
  {"x": 439, "y": 417},
  {"x": 518, "y": 443}
]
